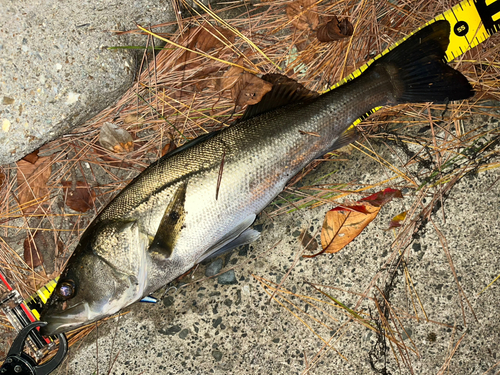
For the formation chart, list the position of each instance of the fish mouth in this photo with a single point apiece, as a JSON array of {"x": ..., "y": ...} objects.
[{"x": 73, "y": 317}]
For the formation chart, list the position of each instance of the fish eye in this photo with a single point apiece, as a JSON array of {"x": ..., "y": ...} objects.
[{"x": 66, "y": 289}]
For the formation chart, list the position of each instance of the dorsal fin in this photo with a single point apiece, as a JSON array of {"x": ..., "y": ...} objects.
[
  {"x": 192, "y": 143},
  {"x": 285, "y": 91}
]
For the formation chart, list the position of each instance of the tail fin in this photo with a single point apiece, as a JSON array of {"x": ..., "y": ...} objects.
[{"x": 419, "y": 72}]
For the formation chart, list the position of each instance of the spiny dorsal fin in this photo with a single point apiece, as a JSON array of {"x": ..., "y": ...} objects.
[
  {"x": 171, "y": 225},
  {"x": 285, "y": 91}
]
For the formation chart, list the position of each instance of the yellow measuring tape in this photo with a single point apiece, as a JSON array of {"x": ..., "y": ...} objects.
[
  {"x": 36, "y": 301},
  {"x": 471, "y": 23}
]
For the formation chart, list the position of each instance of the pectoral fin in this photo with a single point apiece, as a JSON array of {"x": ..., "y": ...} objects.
[
  {"x": 171, "y": 225},
  {"x": 232, "y": 239},
  {"x": 248, "y": 236}
]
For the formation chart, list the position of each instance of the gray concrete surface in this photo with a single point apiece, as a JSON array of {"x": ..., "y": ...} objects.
[
  {"x": 55, "y": 68},
  {"x": 209, "y": 328}
]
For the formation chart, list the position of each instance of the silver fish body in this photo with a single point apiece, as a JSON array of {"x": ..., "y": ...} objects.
[{"x": 191, "y": 203}]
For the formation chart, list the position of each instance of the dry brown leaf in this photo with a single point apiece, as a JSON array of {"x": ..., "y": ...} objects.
[
  {"x": 80, "y": 199},
  {"x": 32, "y": 157},
  {"x": 204, "y": 38},
  {"x": 335, "y": 30},
  {"x": 246, "y": 88},
  {"x": 32, "y": 182},
  {"x": 115, "y": 139},
  {"x": 130, "y": 118},
  {"x": 169, "y": 147},
  {"x": 303, "y": 14},
  {"x": 249, "y": 89},
  {"x": 343, "y": 224},
  {"x": 40, "y": 247},
  {"x": 32, "y": 254}
]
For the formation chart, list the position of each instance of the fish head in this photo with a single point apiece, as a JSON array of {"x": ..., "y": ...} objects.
[{"x": 107, "y": 272}]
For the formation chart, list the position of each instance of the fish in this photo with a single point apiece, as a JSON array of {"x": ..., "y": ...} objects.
[{"x": 202, "y": 198}]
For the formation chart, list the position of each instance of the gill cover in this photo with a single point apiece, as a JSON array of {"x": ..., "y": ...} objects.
[{"x": 106, "y": 273}]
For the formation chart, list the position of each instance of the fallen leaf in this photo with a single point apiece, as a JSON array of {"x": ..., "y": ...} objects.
[
  {"x": 343, "y": 224},
  {"x": 32, "y": 255},
  {"x": 382, "y": 197},
  {"x": 335, "y": 30},
  {"x": 32, "y": 157},
  {"x": 32, "y": 183},
  {"x": 42, "y": 248},
  {"x": 203, "y": 38},
  {"x": 115, "y": 139},
  {"x": 303, "y": 14},
  {"x": 249, "y": 89},
  {"x": 246, "y": 88},
  {"x": 130, "y": 118},
  {"x": 397, "y": 220},
  {"x": 169, "y": 147},
  {"x": 80, "y": 199},
  {"x": 2, "y": 178}
]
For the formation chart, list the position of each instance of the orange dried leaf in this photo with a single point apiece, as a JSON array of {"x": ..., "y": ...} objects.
[
  {"x": 80, "y": 199},
  {"x": 249, "y": 89},
  {"x": 303, "y": 14},
  {"x": 342, "y": 225},
  {"x": 32, "y": 182},
  {"x": 115, "y": 139}
]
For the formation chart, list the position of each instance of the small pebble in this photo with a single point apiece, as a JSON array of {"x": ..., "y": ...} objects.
[
  {"x": 217, "y": 355},
  {"x": 183, "y": 334},
  {"x": 228, "y": 278},
  {"x": 171, "y": 331},
  {"x": 214, "y": 268},
  {"x": 406, "y": 333}
]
